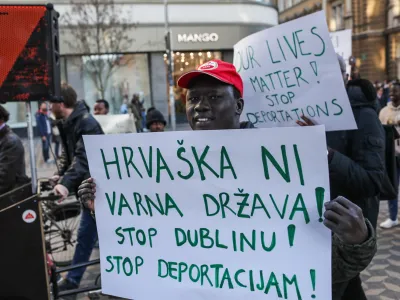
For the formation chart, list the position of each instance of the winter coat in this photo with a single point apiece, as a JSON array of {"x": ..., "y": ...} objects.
[
  {"x": 43, "y": 124},
  {"x": 357, "y": 171},
  {"x": 357, "y": 162},
  {"x": 390, "y": 115},
  {"x": 347, "y": 260},
  {"x": 73, "y": 166},
  {"x": 12, "y": 161}
]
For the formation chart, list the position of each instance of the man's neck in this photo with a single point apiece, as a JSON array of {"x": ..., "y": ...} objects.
[{"x": 68, "y": 112}]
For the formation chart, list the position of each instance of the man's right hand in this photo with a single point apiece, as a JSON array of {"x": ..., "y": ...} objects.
[
  {"x": 54, "y": 180},
  {"x": 44, "y": 138},
  {"x": 86, "y": 193}
]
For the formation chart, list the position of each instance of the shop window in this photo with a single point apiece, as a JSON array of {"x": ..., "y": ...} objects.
[
  {"x": 130, "y": 77},
  {"x": 337, "y": 17},
  {"x": 185, "y": 62}
]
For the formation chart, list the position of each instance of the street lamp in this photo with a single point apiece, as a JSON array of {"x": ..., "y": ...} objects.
[{"x": 170, "y": 60}]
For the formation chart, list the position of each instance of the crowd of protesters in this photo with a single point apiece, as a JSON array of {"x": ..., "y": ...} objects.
[{"x": 356, "y": 159}]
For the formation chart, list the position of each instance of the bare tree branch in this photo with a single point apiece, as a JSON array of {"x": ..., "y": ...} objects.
[{"x": 100, "y": 32}]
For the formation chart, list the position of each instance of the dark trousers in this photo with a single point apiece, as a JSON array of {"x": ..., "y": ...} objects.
[
  {"x": 46, "y": 147},
  {"x": 354, "y": 290},
  {"x": 56, "y": 141},
  {"x": 87, "y": 237},
  {"x": 394, "y": 203}
]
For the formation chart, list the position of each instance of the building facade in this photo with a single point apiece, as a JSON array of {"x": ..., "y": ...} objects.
[
  {"x": 375, "y": 26},
  {"x": 200, "y": 31}
]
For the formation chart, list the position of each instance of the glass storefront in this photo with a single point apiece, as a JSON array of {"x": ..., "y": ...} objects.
[
  {"x": 129, "y": 78},
  {"x": 185, "y": 62}
]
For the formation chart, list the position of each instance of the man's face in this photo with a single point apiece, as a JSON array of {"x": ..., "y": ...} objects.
[
  {"x": 58, "y": 110},
  {"x": 100, "y": 109},
  {"x": 157, "y": 127},
  {"x": 394, "y": 94},
  {"x": 43, "y": 108},
  {"x": 211, "y": 105}
]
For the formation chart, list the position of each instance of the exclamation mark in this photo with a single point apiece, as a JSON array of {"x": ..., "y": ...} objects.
[
  {"x": 312, "y": 274},
  {"x": 291, "y": 230},
  {"x": 320, "y": 195},
  {"x": 314, "y": 66}
]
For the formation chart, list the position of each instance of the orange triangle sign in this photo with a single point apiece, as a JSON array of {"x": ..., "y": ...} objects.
[{"x": 16, "y": 26}]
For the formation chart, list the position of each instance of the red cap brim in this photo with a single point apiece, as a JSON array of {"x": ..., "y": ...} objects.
[{"x": 185, "y": 79}]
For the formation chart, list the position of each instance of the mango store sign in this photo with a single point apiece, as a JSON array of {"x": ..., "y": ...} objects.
[
  {"x": 198, "y": 215},
  {"x": 292, "y": 70}
]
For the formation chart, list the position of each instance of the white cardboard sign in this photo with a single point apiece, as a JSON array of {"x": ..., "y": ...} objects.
[
  {"x": 216, "y": 215},
  {"x": 292, "y": 70},
  {"x": 342, "y": 43},
  {"x": 112, "y": 124}
]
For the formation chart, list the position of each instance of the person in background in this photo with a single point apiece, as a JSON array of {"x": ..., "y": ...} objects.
[
  {"x": 44, "y": 127},
  {"x": 357, "y": 161},
  {"x": 136, "y": 109},
  {"x": 124, "y": 106},
  {"x": 386, "y": 88},
  {"x": 214, "y": 102},
  {"x": 381, "y": 97},
  {"x": 12, "y": 156},
  {"x": 390, "y": 115},
  {"x": 101, "y": 107},
  {"x": 55, "y": 137},
  {"x": 155, "y": 120},
  {"x": 73, "y": 168}
]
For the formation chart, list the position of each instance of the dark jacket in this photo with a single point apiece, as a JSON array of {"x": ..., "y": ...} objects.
[
  {"x": 357, "y": 171},
  {"x": 357, "y": 165},
  {"x": 12, "y": 161},
  {"x": 73, "y": 166},
  {"x": 41, "y": 123},
  {"x": 349, "y": 260}
]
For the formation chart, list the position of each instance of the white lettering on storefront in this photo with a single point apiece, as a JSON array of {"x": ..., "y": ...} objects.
[{"x": 197, "y": 38}]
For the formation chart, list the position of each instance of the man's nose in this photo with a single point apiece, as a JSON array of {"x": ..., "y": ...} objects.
[{"x": 202, "y": 105}]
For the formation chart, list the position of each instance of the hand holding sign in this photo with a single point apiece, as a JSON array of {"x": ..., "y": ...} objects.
[
  {"x": 86, "y": 193},
  {"x": 346, "y": 220}
]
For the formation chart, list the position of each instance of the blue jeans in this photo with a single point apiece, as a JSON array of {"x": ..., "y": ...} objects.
[
  {"x": 46, "y": 147},
  {"x": 87, "y": 237},
  {"x": 144, "y": 120},
  {"x": 394, "y": 204}
]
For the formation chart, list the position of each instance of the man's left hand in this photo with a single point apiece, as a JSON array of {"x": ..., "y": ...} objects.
[
  {"x": 305, "y": 122},
  {"x": 61, "y": 190},
  {"x": 346, "y": 220}
]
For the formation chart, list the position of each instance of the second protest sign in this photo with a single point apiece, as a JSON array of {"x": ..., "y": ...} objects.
[
  {"x": 213, "y": 214},
  {"x": 292, "y": 70}
]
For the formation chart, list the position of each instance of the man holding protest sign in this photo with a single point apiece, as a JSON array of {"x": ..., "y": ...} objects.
[
  {"x": 360, "y": 154},
  {"x": 214, "y": 102},
  {"x": 291, "y": 73}
]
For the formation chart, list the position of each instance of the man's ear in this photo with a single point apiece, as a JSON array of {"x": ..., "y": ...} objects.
[{"x": 239, "y": 106}]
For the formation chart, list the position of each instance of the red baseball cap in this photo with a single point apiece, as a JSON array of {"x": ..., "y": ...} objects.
[{"x": 218, "y": 69}]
